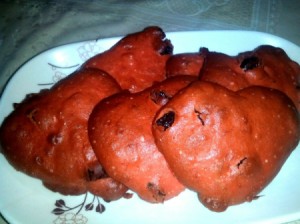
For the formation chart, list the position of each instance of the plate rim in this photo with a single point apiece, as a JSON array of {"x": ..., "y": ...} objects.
[{"x": 114, "y": 39}]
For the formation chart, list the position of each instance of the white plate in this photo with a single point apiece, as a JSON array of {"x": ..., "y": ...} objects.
[{"x": 24, "y": 200}]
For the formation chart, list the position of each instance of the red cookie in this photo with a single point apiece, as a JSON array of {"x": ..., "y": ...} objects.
[
  {"x": 227, "y": 146},
  {"x": 136, "y": 61},
  {"x": 46, "y": 136},
  {"x": 266, "y": 66},
  {"x": 121, "y": 136}
]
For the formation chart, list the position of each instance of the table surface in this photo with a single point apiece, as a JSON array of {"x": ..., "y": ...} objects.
[{"x": 30, "y": 27}]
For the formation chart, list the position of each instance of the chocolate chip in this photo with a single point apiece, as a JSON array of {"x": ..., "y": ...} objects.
[
  {"x": 95, "y": 173},
  {"x": 159, "y": 97},
  {"x": 199, "y": 116},
  {"x": 241, "y": 162},
  {"x": 55, "y": 139},
  {"x": 158, "y": 194},
  {"x": 166, "y": 49},
  {"x": 203, "y": 51},
  {"x": 250, "y": 63},
  {"x": 166, "y": 120}
]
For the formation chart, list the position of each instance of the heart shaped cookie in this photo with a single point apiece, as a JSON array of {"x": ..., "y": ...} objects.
[
  {"x": 46, "y": 136},
  {"x": 266, "y": 66},
  {"x": 121, "y": 136},
  {"x": 137, "y": 60},
  {"x": 227, "y": 146}
]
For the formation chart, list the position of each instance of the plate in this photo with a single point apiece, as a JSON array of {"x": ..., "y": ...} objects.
[{"x": 25, "y": 200}]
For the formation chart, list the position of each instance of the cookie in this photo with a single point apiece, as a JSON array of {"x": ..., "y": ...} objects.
[
  {"x": 266, "y": 66},
  {"x": 121, "y": 136},
  {"x": 225, "y": 145},
  {"x": 137, "y": 61},
  {"x": 46, "y": 135}
]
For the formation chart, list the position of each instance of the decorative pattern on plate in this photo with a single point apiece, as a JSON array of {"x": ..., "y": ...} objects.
[
  {"x": 63, "y": 211},
  {"x": 58, "y": 75},
  {"x": 70, "y": 218},
  {"x": 85, "y": 51},
  {"x": 88, "y": 50}
]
